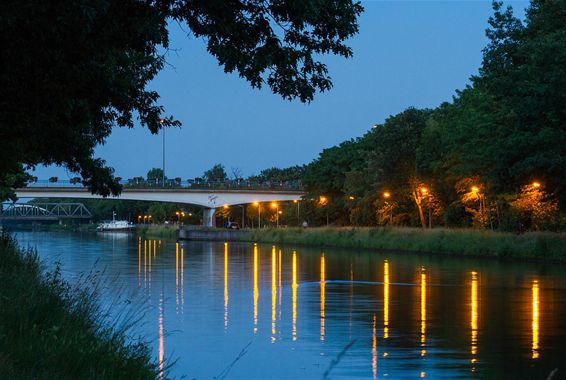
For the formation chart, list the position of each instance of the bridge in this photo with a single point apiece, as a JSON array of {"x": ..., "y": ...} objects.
[
  {"x": 43, "y": 211},
  {"x": 203, "y": 194}
]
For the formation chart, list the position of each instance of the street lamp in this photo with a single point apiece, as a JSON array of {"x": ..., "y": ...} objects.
[
  {"x": 425, "y": 193},
  {"x": 387, "y": 195},
  {"x": 258, "y": 214},
  {"x": 536, "y": 184},
  {"x": 323, "y": 202},
  {"x": 149, "y": 219},
  {"x": 163, "y": 173},
  {"x": 139, "y": 219},
  {"x": 276, "y": 207},
  {"x": 298, "y": 212}
]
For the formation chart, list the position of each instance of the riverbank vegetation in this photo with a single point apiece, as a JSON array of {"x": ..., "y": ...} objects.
[
  {"x": 494, "y": 158},
  {"x": 162, "y": 231},
  {"x": 52, "y": 330},
  {"x": 458, "y": 242}
]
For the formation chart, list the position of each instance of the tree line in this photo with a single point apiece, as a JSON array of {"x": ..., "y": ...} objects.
[{"x": 494, "y": 157}]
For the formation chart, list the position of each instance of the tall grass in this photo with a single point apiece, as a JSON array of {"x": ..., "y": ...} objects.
[
  {"x": 52, "y": 330},
  {"x": 465, "y": 242},
  {"x": 158, "y": 231}
]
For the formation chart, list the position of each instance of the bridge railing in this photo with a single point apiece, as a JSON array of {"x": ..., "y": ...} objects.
[{"x": 196, "y": 183}]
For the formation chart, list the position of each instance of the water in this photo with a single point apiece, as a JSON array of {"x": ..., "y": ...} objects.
[{"x": 241, "y": 310}]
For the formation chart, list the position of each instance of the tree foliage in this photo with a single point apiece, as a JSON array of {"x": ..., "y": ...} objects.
[
  {"x": 216, "y": 173},
  {"x": 476, "y": 155},
  {"x": 74, "y": 70}
]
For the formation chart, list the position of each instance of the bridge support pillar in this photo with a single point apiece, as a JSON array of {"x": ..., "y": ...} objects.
[{"x": 208, "y": 219}]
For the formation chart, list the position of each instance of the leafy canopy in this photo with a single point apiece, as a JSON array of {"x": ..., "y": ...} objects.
[{"x": 73, "y": 70}]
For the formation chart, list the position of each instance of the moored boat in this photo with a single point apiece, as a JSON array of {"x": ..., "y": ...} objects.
[{"x": 115, "y": 225}]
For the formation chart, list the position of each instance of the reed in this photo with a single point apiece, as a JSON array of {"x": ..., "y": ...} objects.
[
  {"x": 463, "y": 242},
  {"x": 160, "y": 231},
  {"x": 50, "y": 329}
]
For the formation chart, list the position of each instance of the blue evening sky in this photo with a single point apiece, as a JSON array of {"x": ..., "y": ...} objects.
[{"x": 408, "y": 53}]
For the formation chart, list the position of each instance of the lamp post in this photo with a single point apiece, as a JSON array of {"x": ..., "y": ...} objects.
[
  {"x": 323, "y": 202},
  {"x": 276, "y": 207},
  {"x": 243, "y": 215},
  {"x": 258, "y": 214},
  {"x": 163, "y": 170},
  {"x": 425, "y": 193},
  {"x": 476, "y": 191},
  {"x": 298, "y": 212},
  {"x": 387, "y": 195}
]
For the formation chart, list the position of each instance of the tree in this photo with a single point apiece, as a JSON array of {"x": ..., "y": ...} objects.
[
  {"x": 74, "y": 70},
  {"x": 158, "y": 212},
  {"x": 535, "y": 209},
  {"x": 523, "y": 72},
  {"x": 216, "y": 173},
  {"x": 155, "y": 175}
]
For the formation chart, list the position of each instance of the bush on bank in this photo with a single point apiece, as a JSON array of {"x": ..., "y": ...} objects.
[
  {"x": 50, "y": 330},
  {"x": 161, "y": 231},
  {"x": 465, "y": 242}
]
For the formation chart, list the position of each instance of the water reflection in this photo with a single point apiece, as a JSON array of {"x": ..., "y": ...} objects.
[
  {"x": 256, "y": 286},
  {"x": 474, "y": 318},
  {"x": 423, "y": 312},
  {"x": 385, "y": 299},
  {"x": 322, "y": 296},
  {"x": 374, "y": 348},
  {"x": 535, "y": 323},
  {"x": 273, "y": 292},
  {"x": 431, "y": 325},
  {"x": 225, "y": 286},
  {"x": 161, "y": 336},
  {"x": 176, "y": 276},
  {"x": 294, "y": 289}
]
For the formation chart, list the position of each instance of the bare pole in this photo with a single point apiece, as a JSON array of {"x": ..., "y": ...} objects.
[{"x": 163, "y": 168}]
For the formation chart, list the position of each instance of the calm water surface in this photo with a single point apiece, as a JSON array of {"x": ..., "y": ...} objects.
[{"x": 239, "y": 310}]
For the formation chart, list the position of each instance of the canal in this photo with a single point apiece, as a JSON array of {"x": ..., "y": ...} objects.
[{"x": 239, "y": 310}]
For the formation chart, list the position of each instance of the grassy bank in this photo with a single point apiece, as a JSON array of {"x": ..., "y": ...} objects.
[
  {"x": 468, "y": 242},
  {"x": 51, "y": 330},
  {"x": 160, "y": 231}
]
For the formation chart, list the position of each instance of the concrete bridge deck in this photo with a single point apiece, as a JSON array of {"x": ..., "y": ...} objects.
[{"x": 209, "y": 199}]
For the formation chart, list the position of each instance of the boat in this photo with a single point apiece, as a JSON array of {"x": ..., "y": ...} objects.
[{"x": 115, "y": 225}]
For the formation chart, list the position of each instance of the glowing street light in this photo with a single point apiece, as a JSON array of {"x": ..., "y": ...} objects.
[
  {"x": 276, "y": 207},
  {"x": 425, "y": 193},
  {"x": 387, "y": 195},
  {"x": 536, "y": 184},
  {"x": 475, "y": 189},
  {"x": 323, "y": 201}
]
